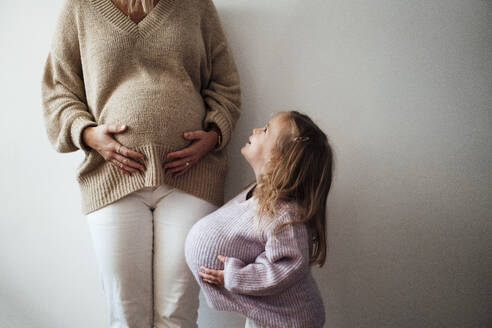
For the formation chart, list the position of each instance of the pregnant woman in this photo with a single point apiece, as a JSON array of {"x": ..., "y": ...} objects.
[{"x": 151, "y": 95}]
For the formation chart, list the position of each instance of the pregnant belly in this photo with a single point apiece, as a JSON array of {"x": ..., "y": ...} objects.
[
  {"x": 202, "y": 246},
  {"x": 214, "y": 235},
  {"x": 155, "y": 115}
]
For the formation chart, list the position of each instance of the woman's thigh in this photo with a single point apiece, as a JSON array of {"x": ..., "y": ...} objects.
[
  {"x": 122, "y": 238},
  {"x": 175, "y": 290}
]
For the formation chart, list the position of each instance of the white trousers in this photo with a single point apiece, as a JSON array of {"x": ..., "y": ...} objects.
[{"x": 139, "y": 246}]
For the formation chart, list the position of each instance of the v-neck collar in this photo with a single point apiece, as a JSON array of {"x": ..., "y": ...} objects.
[{"x": 143, "y": 28}]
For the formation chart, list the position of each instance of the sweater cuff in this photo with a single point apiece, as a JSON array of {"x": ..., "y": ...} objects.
[
  {"x": 231, "y": 266},
  {"x": 78, "y": 125},
  {"x": 224, "y": 126}
]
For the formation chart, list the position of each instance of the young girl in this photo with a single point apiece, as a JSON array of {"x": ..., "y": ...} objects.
[{"x": 254, "y": 254}]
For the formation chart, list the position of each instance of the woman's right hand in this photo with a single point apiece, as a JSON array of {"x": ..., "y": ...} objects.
[{"x": 101, "y": 140}]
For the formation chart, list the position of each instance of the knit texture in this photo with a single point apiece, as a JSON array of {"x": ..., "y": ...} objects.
[
  {"x": 267, "y": 280},
  {"x": 171, "y": 73}
]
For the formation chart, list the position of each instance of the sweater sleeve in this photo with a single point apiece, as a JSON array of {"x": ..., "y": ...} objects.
[
  {"x": 222, "y": 95},
  {"x": 64, "y": 105},
  {"x": 283, "y": 262}
]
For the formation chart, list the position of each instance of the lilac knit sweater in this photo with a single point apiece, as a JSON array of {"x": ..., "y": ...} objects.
[{"x": 266, "y": 280}]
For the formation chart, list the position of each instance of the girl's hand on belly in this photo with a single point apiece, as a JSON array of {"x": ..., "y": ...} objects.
[
  {"x": 215, "y": 277},
  {"x": 203, "y": 143}
]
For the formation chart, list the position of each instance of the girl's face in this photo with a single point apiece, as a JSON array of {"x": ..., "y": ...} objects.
[{"x": 258, "y": 149}]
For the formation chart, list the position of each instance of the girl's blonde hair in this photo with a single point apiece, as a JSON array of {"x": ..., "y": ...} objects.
[
  {"x": 299, "y": 171},
  {"x": 147, "y": 5}
]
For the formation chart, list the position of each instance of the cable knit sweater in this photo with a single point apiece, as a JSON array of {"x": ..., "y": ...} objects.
[
  {"x": 266, "y": 279},
  {"x": 172, "y": 72}
]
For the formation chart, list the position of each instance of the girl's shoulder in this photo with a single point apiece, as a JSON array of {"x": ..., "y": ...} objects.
[{"x": 288, "y": 210}]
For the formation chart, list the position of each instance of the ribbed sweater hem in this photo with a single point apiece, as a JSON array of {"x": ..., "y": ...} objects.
[{"x": 106, "y": 183}]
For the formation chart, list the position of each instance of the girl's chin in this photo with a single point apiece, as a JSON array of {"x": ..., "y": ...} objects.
[
  {"x": 243, "y": 149},
  {"x": 244, "y": 153}
]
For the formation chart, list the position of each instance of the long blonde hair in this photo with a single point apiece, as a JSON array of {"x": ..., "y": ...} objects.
[
  {"x": 147, "y": 5},
  {"x": 299, "y": 171}
]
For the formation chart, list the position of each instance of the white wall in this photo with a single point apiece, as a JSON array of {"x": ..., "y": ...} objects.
[{"x": 404, "y": 90}]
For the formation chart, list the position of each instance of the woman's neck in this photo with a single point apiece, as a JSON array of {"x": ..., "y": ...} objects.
[{"x": 138, "y": 13}]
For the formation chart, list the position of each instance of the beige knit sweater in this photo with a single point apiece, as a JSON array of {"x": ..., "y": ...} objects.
[{"x": 172, "y": 72}]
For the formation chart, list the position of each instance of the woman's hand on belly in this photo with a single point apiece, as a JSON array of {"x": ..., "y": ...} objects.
[
  {"x": 101, "y": 140},
  {"x": 211, "y": 276},
  {"x": 203, "y": 142}
]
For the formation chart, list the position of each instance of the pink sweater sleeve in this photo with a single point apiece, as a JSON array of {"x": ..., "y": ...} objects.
[{"x": 282, "y": 263}]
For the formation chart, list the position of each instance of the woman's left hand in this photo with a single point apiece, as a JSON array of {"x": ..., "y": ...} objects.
[
  {"x": 215, "y": 277},
  {"x": 204, "y": 142}
]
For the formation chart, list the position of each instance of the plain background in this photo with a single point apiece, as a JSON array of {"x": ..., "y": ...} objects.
[{"x": 402, "y": 88}]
